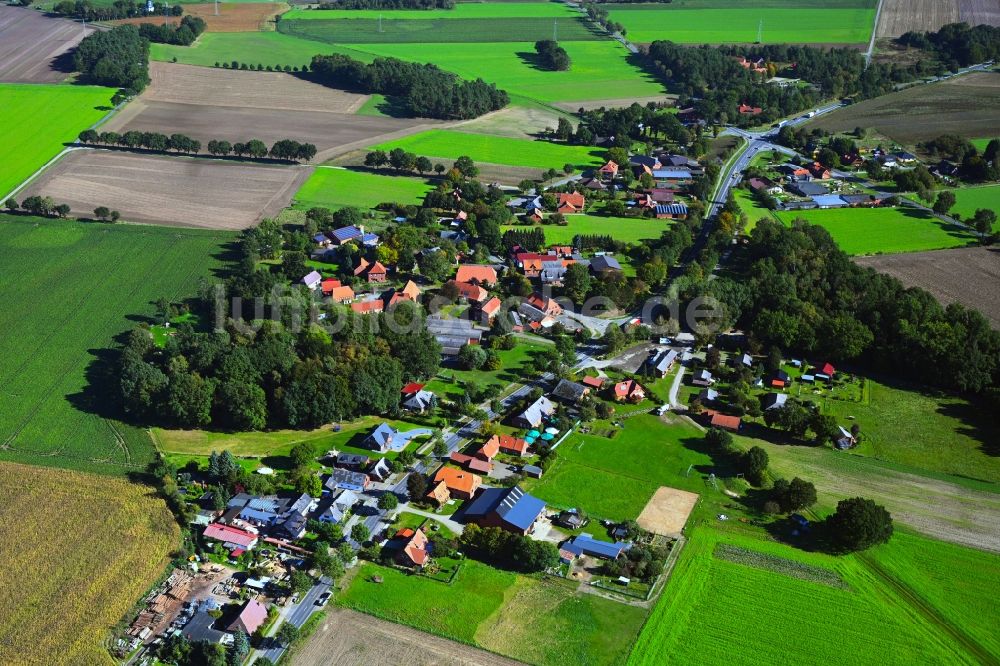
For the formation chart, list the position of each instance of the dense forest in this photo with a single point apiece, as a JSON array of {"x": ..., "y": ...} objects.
[
  {"x": 956, "y": 44},
  {"x": 802, "y": 294},
  {"x": 117, "y": 58},
  {"x": 425, "y": 90}
]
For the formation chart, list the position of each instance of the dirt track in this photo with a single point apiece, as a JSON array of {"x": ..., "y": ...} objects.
[
  {"x": 178, "y": 191},
  {"x": 30, "y": 43},
  {"x": 207, "y": 103},
  {"x": 348, "y": 638},
  {"x": 970, "y": 276}
]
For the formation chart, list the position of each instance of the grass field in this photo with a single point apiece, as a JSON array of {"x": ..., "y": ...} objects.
[
  {"x": 47, "y": 116},
  {"x": 54, "y": 338},
  {"x": 62, "y": 587},
  {"x": 462, "y": 10},
  {"x": 600, "y": 70},
  {"x": 968, "y": 199},
  {"x": 882, "y": 230},
  {"x": 512, "y": 369},
  {"x": 266, "y": 48},
  {"x": 711, "y": 602},
  {"x": 438, "y": 29},
  {"x": 732, "y": 22},
  {"x": 751, "y": 208},
  {"x": 981, "y": 143},
  {"x": 451, "y": 144},
  {"x": 592, "y": 471},
  {"x": 487, "y": 607},
  {"x": 336, "y": 188},
  {"x": 625, "y": 229}
]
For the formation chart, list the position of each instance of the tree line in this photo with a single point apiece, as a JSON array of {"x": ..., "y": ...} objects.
[
  {"x": 801, "y": 292},
  {"x": 599, "y": 15},
  {"x": 552, "y": 56},
  {"x": 119, "y": 9},
  {"x": 236, "y": 64},
  {"x": 284, "y": 149},
  {"x": 118, "y": 58},
  {"x": 181, "y": 35},
  {"x": 402, "y": 160},
  {"x": 424, "y": 89},
  {"x": 957, "y": 44}
]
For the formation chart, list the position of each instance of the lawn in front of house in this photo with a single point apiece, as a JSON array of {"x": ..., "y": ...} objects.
[{"x": 624, "y": 229}]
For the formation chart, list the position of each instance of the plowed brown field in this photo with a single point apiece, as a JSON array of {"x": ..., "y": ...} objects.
[
  {"x": 233, "y": 16},
  {"x": 31, "y": 43}
]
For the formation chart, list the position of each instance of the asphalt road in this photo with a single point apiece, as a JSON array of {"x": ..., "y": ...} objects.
[{"x": 297, "y": 614}]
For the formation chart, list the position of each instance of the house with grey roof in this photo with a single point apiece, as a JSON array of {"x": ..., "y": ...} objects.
[
  {"x": 569, "y": 392},
  {"x": 380, "y": 439},
  {"x": 535, "y": 414},
  {"x": 773, "y": 400},
  {"x": 661, "y": 364},
  {"x": 604, "y": 264}
]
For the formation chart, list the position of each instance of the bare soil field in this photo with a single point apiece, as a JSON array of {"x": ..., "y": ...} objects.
[
  {"x": 975, "y": 12},
  {"x": 970, "y": 276},
  {"x": 31, "y": 44},
  {"x": 206, "y": 103},
  {"x": 177, "y": 191},
  {"x": 899, "y": 16},
  {"x": 233, "y": 16},
  {"x": 667, "y": 511},
  {"x": 968, "y": 106},
  {"x": 349, "y": 638}
]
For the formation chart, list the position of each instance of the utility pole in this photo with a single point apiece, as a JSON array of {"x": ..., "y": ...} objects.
[
  {"x": 760, "y": 31},
  {"x": 380, "y": 23},
  {"x": 555, "y": 30}
]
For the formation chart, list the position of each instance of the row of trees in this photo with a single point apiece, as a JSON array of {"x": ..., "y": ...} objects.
[
  {"x": 424, "y": 89},
  {"x": 182, "y": 35},
  {"x": 509, "y": 550},
  {"x": 37, "y": 205},
  {"x": 236, "y": 64},
  {"x": 799, "y": 291},
  {"x": 284, "y": 149},
  {"x": 402, "y": 160},
  {"x": 599, "y": 15},
  {"x": 957, "y": 44},
  {"x": 552, "y": 56},
  {"x": 119, "y": 9},
  {"x": 117, "y": 58}
]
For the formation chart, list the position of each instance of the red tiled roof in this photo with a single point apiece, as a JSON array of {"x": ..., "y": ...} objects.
[
  {"x": 458, "y": 480},
  {"x": 476, "y": 273},
  {"x": 328, "y": 285},
  {"x": 342, "y": 293},
  {"x": 827, "y": 369},
  {"x": 491, "y": 306},
  {"x": 472, "y": 292},
  {"x": 595, "y": 382},
  {"x": 229, "y": 534},
  {"x": 725, "y": 421},
  {"x": 510, "y": 443},
  {"x": 416, "y": 548},
  {"x": 367, "y": 307},
  {"x": 490, "y": 449},
  {"x": 250, "y": 618},
  {"x": 412, "y": 388}
]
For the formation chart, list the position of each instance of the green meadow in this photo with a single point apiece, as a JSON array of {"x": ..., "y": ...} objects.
[
  {"x": 969, "y": 199},
  {"x": 266, "y": 48},
  {"x": 41, "y": 119},
  {"x": 600, "y": 69},
  {"x": 438, "y": 29},
  {"x": 731, "y": 22},
  {"x": 514, "y": 367},
  {"x": 54, "y": 338},
  {"x": 882, "y": 230},
  {"x": 625, "y": 229},
  {"x": 462, "y": 10},
  {"x": 336, "y": 188},
  {"x": 452, "y": 144}
]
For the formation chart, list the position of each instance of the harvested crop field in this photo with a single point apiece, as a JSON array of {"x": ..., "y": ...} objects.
[
  {"x": 347, "y": 637},
  {"x": 233, "y": 17},
  {"x": 968, "y": 106},
  {"x": 177, "y": 191},
  {"x": 208, "y": 103},
  {"x": 899, "y": 16},
  {"x": 31, "y": 44},
  {"x": 970, "y": 276},
  {"x": 667, "y": 511},
  {"x": 61, "y": 587}
]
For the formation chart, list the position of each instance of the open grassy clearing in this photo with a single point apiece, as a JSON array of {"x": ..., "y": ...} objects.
[
  {"x": 448, "y": 382},
  {"x": 266, "y": 48},
  {"x": 968, "y": 106},
  {"x": 47, "y": 116},
  {"x": 625, "y": 229},
  {"x": 736, "y": 22},
  {"x": 968, "y": 275},
  {"x": 487, "y": 607},
  {"x": 862, "y": 231},
  {"x": 592, "y": 471},
  {"x": 600, "y": 69},
  {"x": 462, "y": 10},
  {"x": 711, "y": 602},
  {"x": 750, "y": 207},
  {"x": 54, "y": 338},
  {"x": 968, "y": 199},
  {"x": 452, "y": 144},
  {"x": 337, "y": 188},
  {"x": 438, "y": 29},
  {"x": 61, "y": 587}
]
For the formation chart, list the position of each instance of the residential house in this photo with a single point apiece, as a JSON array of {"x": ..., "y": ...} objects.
[
  {"x": 380, "y": 439},
  {"x": 510, "y": 445},
  {"x": 827, "y": 369},
  {"x": 757, "y": 66},
  {"x": 476, "y": 274},
  {"x": 570, "y": 202},
  {"x": 794, "y": 171},
  {"x": 609, "y": 170},
  {"x": 348, "y": 480},
  {"x": 510, "y": 509},
  {"x": 748, "y": 110},
  {"x": 724, "y": 421},
  {"x": 233, "y": 538},
  {"x": 536, "y": 413},
  {"x": 585, "y": 544},
  {"x": 292, "y": 527},
  {"x": 328, "y": 285},
  {"x": 593, "y": 184},
  {"x": 746, "y": 360},
  {"x": 341, "y": 294},
  {"x": 645, "y": 161},
  {"x": 674, "y": 176},
  {"x": 372, "y": 306},
  {"x": 552, "y": 272},
  {"x": 662, "y": 364},
  {"x": 487, "y": 311},
  {"x": 489, "y": 450},
  {"x": 461, "y": 484},
  {"x": 629, "y": 390},
  {"x": 469, "y": 292},
  {"x": 818, "y": 171},
  {"x": 439, "y": 493},
  {"x": 707, "y": 395},
  {"x": 595, "y": 383},
  {"x": 380, "y": 470},
  {"x": 250, "y": 618},
  {"x": 673, "y": 211},
  {"x": 313, "y": 280},
  {"x": 569, "y": 392},
  {"x": 470, "y": 463},
  {"x": 703, "y": 378},
  {"x": 414, "y": 552},
  {"x": 829, "y": 201},
  {"x": 352, "y": 461},
  {"x": 661, "y": 195},
  {"x": 420, "y": 401},
  {"x": 322, "y": 240},
  {"x": 373, "y": 272},
  {"x": 807, "y": 189},
  {"x": 548, "y": 306},
  {"x": 604, "y": 264},
  {"x": 570, "y": 519},
  {"x": 773, "y": 400},
  {"x": 764, "y": 185}
]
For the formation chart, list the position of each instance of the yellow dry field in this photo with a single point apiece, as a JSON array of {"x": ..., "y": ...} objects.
[
  {"x": 667, "y": 511},
  {"x": 76, "y": 552}
]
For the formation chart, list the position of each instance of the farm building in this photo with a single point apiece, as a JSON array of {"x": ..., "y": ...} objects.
[
  {"x": 471, "y": 463},
  {"x": 724, "y": 421},
  {"x": 604, "y": 264},
  {"x": 251, "y": 616},
  {"x": 476, "y": 274},
  {"x": 510, "y": 509},
  {"x": 673, "y": 211},
  {"x": 586, "y": 544},
  {"x": 451, "y": 334},
  {"x": 232, "y": 538}
]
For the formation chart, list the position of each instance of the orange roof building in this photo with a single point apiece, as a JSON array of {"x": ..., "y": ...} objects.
[
  {"x": 328, "y": 285},
  {"x": 476, "y": 274},
  {"x": 342, "y": 294},
  {"x": 489, "y": 450},
  {"x": 414, "y": 552},
  {"x": 513, "y": 446},
  {"x": 439, "y": 493},
  {"x": 368, "y": 307},
  {"x": 470, "y": 292},
  {"x": 725, "y": 421},
  {"x": 461, "y": 484},
  {"x": 571, "y": 202},
  {"x": 629, "y": 390},
  {"x": 489, "y": 310},
  {"x": 609, "y": 169}
]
